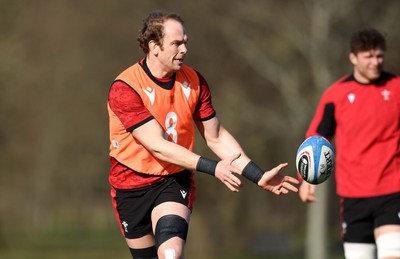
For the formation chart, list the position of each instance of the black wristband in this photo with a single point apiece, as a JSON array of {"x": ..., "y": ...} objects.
[
  {"x": 206, "y": 165},
  {"x": 253, "y": 172}
]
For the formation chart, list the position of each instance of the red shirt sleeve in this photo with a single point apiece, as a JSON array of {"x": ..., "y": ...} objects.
[
  {"x": 323, "y": 122},
  {"x": 205, "y": 109},
  {"x": 127, "y": 105}
]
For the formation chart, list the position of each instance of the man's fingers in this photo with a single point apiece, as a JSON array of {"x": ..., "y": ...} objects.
[
  {"x": 233, "y": 180},
  {"x": 284, "y": 191},
  {"x": 287, "y": 184},
  {"x": 291, "y": 179},
  {"x": 280, "y": 166},
  {"x": 233, "y": 169},
  {"x": 290, "y": 187},
  {"x": 230, "y": 187}
]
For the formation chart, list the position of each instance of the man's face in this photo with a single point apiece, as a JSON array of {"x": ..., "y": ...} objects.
[
  {"x": 367, "y": 65},
  {"x": 173, "y": 50}
]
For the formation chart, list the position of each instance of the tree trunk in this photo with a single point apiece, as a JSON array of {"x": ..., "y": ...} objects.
[{"x": 316, "y": 236}]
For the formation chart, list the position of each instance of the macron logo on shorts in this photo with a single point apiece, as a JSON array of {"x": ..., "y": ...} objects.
[
  {"x": 125, "y": 226},
  {"x": 183, "y": 192}
]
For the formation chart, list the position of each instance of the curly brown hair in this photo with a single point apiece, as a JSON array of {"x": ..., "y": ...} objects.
[
  {"x": 153, "y": 28},
  {"x": 367, "y": 39}
]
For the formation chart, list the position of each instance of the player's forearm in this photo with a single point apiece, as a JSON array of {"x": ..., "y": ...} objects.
[
  {"x": 176, "y": 154},
  {"x": 180, "y": 156},
  {"x": 150, "y": 135},
  {"x": 226, "y": 145}
]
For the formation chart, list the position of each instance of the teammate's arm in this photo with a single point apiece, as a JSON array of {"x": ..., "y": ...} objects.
[{"x": 307, "y": 192}]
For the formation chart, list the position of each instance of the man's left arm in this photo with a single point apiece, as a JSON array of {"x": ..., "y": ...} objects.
[{"x": 224, "y": 145}]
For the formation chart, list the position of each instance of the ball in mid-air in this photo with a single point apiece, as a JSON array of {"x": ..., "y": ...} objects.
[{"x": 315, "y": 159}]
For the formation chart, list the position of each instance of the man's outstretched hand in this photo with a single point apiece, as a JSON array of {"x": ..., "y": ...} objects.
[{"x": 272, "y": 181}]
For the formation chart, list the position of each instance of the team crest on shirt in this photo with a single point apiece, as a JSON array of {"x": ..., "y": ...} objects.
[
  {"x": 386, "y": 94},
  {"x": 351, "y": 97},
  {"x": 150, "y": 93},
  {"x": 186, "y": 89}
]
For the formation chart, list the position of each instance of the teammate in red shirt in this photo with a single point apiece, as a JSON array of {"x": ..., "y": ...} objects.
[
  {"x": 153, "y": 107},
  {"x": 362, "y": 112}
]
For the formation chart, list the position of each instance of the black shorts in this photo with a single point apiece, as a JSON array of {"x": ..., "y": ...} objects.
[
  {"x": 133, "y": 207},
  {"x": 360, "y": 216}
]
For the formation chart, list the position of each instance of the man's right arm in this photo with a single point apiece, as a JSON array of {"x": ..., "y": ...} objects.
[{"x": 150, "y": 135}]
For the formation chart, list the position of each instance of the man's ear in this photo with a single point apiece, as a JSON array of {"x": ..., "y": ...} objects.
[
  {"x": 153, "y": 48},
  {"x": 353, "y": 58}
]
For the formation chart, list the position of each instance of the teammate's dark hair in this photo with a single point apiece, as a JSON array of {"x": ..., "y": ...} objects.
[
  {"x": 367, "y": 39},
  {"x": 153, "y": 28}
]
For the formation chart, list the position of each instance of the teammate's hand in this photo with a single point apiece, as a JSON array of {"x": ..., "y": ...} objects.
[
  {"x": 225, "y": 172},
  {"x": 307, "y": 192},
  {"x": 272, "y": 181}
]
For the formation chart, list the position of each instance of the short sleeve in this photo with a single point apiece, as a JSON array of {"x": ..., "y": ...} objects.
[
  {"x": 205, "y": 109},
  {"x": 127, "y": 105}
]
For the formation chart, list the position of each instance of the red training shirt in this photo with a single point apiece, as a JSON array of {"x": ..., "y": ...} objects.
[{"x": 365, "y": 121}]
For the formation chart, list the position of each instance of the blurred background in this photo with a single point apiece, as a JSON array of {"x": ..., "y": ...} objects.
[{"x": 267, "y": 63}]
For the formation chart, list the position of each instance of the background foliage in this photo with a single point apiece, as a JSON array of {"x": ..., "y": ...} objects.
[{"x": 267, "y": 63}]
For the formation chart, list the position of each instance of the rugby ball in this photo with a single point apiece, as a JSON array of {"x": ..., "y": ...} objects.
[{"x": 315, "y": 159}]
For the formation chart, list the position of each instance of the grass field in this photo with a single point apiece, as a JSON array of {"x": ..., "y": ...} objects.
[{"x": 99, "y": 245}]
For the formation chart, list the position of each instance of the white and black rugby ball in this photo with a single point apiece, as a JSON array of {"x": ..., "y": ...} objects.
[{"x": 315, "y": 159}]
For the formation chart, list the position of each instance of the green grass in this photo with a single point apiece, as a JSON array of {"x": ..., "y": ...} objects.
[
  {"x": 88, "y": 245},
  {"x": 63, "y": 245}
]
